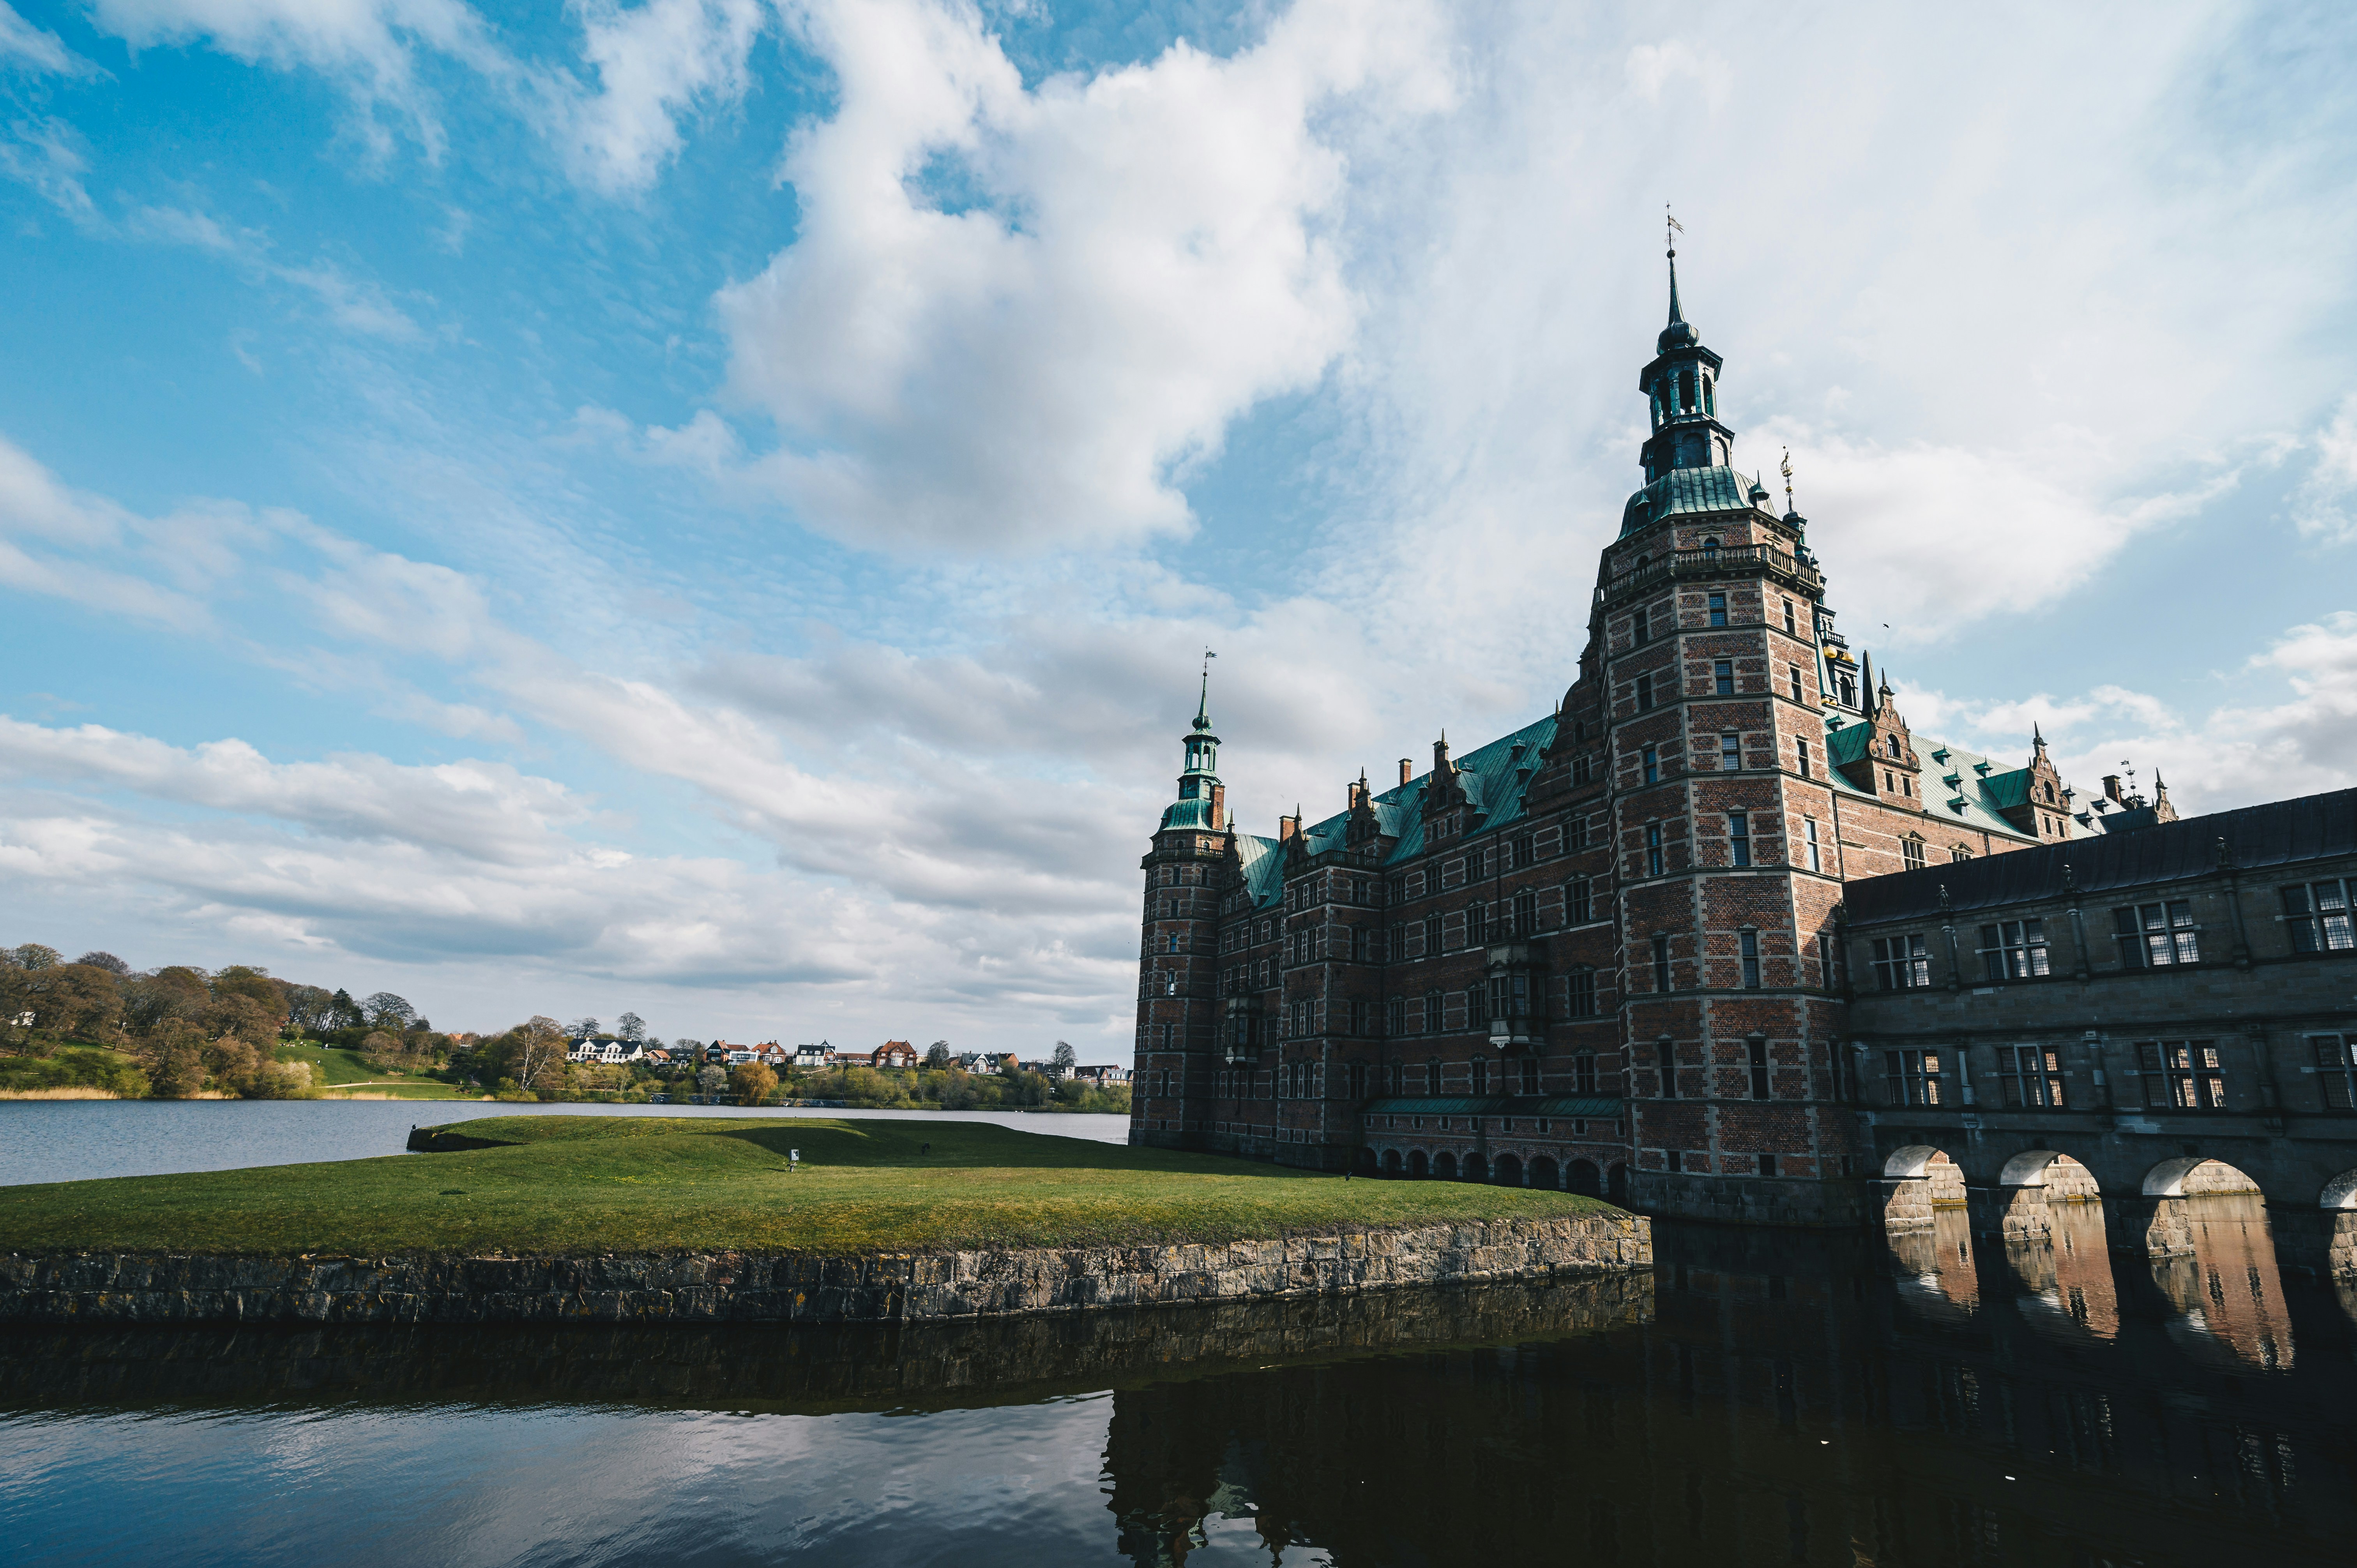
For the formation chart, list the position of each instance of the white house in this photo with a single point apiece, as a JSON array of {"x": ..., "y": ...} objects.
[{"x": 811, "y": 1057}]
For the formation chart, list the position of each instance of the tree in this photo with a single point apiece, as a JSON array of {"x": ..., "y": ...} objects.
[
  {"x": 343, "y": 1013},
  {"x": 308, "y": 1006},
  {"x": 582, "y": 1028},
  {"x": 32, "y": 955},
  {"x": 72, "y": 999},
  {"x": 100, "y": 959},
  {"x": 753, "y": 1082},
  {"x": 174, "y": 1057},
  {"x": 386, "y": 1011},
  {"x": 938, "y": 1054},
  {"x": 1064, "y": 1056},
  {"x": 631, "y": 1027},
  {"x": 712, "y": 1081}
]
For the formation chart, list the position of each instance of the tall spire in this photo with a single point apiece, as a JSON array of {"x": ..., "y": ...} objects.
[{"x": 1203, "y": 708}]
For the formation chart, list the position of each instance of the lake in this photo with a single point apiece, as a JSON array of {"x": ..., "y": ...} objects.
[
  {"x": 76, "y": 1140},
  {"x": 1920, "y": 1402},
  {"x": 1757, "y": 1399}
]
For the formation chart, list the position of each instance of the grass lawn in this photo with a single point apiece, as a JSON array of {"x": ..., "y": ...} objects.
[
  {"x": 340, "y": 1069},
  {"x": 596, "y": 1184}
]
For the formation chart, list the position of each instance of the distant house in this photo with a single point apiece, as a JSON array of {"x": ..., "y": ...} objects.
[
  {"x": 893, "y": 1053},
  {"x": 717, "y": 1052},
  {"x": 993, "y": 1062},
  {"x": 1101, "y": 1076},
  {"x": 809, "y": 1057}
]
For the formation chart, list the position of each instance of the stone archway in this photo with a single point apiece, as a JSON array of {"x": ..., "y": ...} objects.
[
  {"x": 1365, "y": 1162},
  {"x": 1445, "y": 1167},
  {"x": 1582, "y": 1176},
  {"x": 1418, "y": 1167},
  {"x": 1917, "y": 1181},
  {"x": 1507, "y": 1171},
  {"x": 1391, "y": 1163},
  {"x": 2339, "y": 1202},
  {"x": 1476, "y": 1168},
  {"x": 1543, "y": 1174}
]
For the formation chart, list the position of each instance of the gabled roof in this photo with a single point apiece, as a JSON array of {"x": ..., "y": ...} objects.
[{"x": 1976, "y": 800}]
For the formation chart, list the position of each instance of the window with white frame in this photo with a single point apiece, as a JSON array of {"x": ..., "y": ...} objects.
[
  {"x": 2154, "y": 936},
  {"x": 1809, "y": 827},
  {"x": 2030, "y": 1076},
  {"x": 1901, "y": 964},
  {"x": 2316, "y": 915},
  {"x": 2183, "y": 1075},
  {"x": 1911, "y": 851},
  {"x": 1730, "y": 752},
  {"x": 2014, "y": 949}
]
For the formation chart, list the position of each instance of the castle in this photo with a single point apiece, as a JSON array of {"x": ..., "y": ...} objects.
[{"x": 1599, "y": 952}]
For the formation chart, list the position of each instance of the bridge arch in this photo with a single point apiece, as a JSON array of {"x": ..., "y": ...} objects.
[
  {"x": 2190, "y": 1175},
  {"x": 1908, "y": 1163},
  {"x": 2340, "y": 1192}
]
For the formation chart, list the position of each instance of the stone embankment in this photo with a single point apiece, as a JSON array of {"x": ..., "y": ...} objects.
[{"x": 795, "y": 1287}]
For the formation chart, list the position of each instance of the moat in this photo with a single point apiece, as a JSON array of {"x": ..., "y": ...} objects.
[{"x": 1761, "y": 1398}]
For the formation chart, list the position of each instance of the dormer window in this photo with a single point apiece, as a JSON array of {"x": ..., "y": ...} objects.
[{"x": 1892, "y": 742}]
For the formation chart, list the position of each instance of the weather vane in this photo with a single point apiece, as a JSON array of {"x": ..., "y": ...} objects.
[
  {"x": 1669, "y": 235},
  {"x": 1788, "y": 479}
]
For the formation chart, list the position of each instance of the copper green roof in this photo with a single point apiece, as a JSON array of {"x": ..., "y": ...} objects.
[{"x": 1691, "y": 491}]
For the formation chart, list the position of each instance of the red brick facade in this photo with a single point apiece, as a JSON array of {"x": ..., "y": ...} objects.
[{"x": 1463, "y": 974}]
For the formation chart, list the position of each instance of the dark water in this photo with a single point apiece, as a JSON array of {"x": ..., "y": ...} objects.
[
  {"x": 76, "y": 1140},
  {"x": 1760, "y": 1400}
]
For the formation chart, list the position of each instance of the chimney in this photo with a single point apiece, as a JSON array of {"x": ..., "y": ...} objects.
[
  {"x": 1404, "y": 765},
  {"x": 1287, "y": 828},
  {"x": 2111, "y": 790},
  {"x": 1219, "y": 807}
]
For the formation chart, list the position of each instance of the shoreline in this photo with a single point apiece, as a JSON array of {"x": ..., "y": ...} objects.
[{"x": 707, "y": 1288}]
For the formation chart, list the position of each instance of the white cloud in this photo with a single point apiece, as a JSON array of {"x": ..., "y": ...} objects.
[
  {"x": 1008, "y": 313},
  {"x": 43, "y": 154},
  {"x": 653, "y": 64},
  {"x": 2326, "y": 504},
  {"x": 29, "y": 47}
]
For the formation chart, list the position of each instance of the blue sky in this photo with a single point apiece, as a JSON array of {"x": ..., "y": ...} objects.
[{"x": 712, "y": 506}]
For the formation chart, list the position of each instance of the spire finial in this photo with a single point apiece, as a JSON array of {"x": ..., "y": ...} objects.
[
  {"x": 1670, "y": 234},
  {"x": 1203, "y": 708},
  {"x": 1787, "y": 469}
]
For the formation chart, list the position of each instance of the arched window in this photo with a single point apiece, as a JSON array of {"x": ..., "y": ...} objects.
[
  {"x": 1710, "y": 547},
  {"x": 1686, "y": 390}
]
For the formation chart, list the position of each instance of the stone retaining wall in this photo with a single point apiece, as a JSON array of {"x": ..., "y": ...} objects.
[{"x": 792, "y": 1288}]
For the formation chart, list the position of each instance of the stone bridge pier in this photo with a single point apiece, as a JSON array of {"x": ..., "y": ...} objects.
[{"x": 2009, "y": 1174}]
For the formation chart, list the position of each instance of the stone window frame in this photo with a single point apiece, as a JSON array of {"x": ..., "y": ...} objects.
[{"x": 2320, "y": 917}]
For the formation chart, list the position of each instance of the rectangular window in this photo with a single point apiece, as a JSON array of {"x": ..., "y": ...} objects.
[
  {"x": 1901, "y": 964},
  {"x": 1816, "y": 858},
  {"x": 1526, "y": 854},
  {"x": 1583, "y": 768},
  {"x": 1791, "y": 629},
  {"x": 2014, "y": 949},
  {"x": 1767, "y": 1165},
  {"x": 1358, "y": 1018},
  {"x": 1913, "y": 1077},
  {"x": 1792, "y": 672},
  {"x": 1432, "y": 1078},
  {"x": 1432, "y": 938},
  {"x": 2336, "y": 1069},
  {"x": 2153, "y": 936},
  {"x": 1653, "y": 764},
  {"x": 1722, "y": 677},
  {"x": 1577, "y": 894},
  {"x": 1358, "y": 1076},
  {"x": 1661, "y": 964},
  {"x": 1644, "y": 692},
  {"x": 1738, "y": 837},
  {"x": 1477, "y": 925},
  {"x": 2185, "y": 1075},
  {"x": 1805, "y": 761},
  {"x": 2031, "y": 1075},
  {"x": 1395, "y": 1016},
  {"x": 1582, "y": 1073},
  {"x": 1580, "y": 992},
  {"x": 1749, "y": 942},
  {"x": 1910, "y": 850},
  {"x": 1718, "y": 609},
  {"x": 1667, "y": 1056},
  {"x": 1432, "y": 1008},
  {"x": 1730, "y": 752},
  {"x": 1526, "y": 913},
  {"x": 1639, "y": 625},
  {"x": 1510, "y": 995},
  {"x": 2318, "y": 915},
  {"x": 1759, "y": 1067},
  {"x": 1653, "y": 864},
  {"x": 1578, "y": 830}
]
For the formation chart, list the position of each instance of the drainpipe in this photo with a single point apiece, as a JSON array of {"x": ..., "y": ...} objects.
[
  {"x": 2078, "y": 926},
  {"x": 1948, "y": 928},
  {"x": 2241, "y": 954}
]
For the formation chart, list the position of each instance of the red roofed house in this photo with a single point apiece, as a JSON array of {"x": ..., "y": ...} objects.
[{"x": 894, "y": 1053}]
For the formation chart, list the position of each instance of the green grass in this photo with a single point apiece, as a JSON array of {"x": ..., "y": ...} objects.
[
  {"x": 340, "y": 1068},
  {"x": 594, "y": 1184}
]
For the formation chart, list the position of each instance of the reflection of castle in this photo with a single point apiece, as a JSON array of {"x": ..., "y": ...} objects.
[{"x": 1601, "y": 952}]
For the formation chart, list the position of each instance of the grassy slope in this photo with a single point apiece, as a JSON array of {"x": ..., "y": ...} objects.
[
  {"x": 582, "y": 1184},
  {"x": 342, "y": 1068}
]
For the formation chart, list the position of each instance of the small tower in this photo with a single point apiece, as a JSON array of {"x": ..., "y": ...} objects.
[
  {"x": 1682, "y": 383},
  {"x": 1191, "y": 867},
  {"x": 1202, "y": 799}
]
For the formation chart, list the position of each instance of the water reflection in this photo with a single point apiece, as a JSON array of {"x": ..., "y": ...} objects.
[{"x": 1762, "y": 1399}]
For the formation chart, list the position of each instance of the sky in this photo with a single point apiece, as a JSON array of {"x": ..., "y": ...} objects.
[{"x": 715, "y": 507}]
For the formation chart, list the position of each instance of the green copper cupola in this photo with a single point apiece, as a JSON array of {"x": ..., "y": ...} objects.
[
  {"x": 1202, "y": 799},
  {"x": 1681, "y": 385}
]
